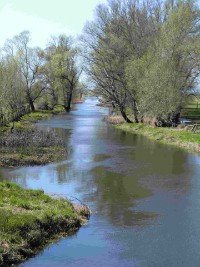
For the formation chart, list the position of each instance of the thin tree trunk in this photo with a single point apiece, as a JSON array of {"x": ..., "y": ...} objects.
[{"x": 135, "y": 112}]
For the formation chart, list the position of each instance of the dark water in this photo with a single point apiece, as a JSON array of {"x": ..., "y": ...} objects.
[{"x": 145, "y": 197}]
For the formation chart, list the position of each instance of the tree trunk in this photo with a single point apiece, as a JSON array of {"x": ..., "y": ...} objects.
[
  {"x": 177, "y": 114},
  {"x": 68, "y": 104},
  {"x": 135, "y": 112},
  {"x": 124, "y": 115},
  {"x": 176, "y": 118},
  {"x": 31, "y": 105}
]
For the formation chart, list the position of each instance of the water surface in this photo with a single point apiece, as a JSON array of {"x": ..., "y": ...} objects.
[{"x": 144, "y": 196}]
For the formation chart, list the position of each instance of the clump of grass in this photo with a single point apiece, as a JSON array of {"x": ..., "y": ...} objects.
[
  {"x": 29, "y": 218},
  {"x": 35, "y": 116},
  {"x": 41, "y": 114}
]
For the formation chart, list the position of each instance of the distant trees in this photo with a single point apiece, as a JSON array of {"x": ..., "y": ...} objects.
[
  {"x": 61, "y": 70},
  {"x": 141, "y": 56},
  {"x": 144, "y": 56},
  {"x": 30, "y": 76}
]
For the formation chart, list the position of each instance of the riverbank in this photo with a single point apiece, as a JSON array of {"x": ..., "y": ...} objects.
[
  {"x": 173, "y": 136},
  {"x": 30, "y": 220},
  {"x": 26, "y": 145}
]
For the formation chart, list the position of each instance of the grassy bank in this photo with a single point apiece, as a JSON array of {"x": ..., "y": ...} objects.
[
  {"x": 173, "y": 136},
  {"x": 27, "y": 145},
  {"x": 29, "y": 220}
]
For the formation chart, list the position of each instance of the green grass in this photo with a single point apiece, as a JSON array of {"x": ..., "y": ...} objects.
[
  {"x": 178, "y": 137},
  {"x": 33, "y": 117},
  {"x": 39, "y": 115},
  {"x": 28, "y": 218}
]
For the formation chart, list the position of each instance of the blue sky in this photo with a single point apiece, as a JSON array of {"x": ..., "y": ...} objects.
[{"x": 44, "y": 18}]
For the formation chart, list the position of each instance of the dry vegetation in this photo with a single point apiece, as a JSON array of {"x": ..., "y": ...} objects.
[{"x": 29, "y": 145}]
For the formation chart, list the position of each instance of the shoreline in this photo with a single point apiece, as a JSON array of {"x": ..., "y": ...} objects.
[
  {"x": 32, "y": 220},
  {"x": 29, "y": 219},
  {"x": 177, "y": 137}
]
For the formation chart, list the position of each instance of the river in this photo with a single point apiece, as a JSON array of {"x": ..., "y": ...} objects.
[{"x": 144, "y": 196}]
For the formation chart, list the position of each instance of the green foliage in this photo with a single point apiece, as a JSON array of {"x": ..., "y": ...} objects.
[
  {"x": 145, "y": 57},
  {"x": 165, "y": 75},
  {"x": 60, "y": 70},
  {"x": 33, "y": 78}
]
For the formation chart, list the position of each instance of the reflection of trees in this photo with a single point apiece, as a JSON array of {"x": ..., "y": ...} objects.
[
  {"x": 116, "y": 196},
  {"x": 160, "y": 166},
  {"x": 65, "y": 136},
  {"x": 6, "y": 176},
  {"x": 61, "y": 173}
]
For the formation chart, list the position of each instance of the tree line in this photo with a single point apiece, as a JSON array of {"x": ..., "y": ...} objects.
[
  {"x": 143, "y": 57},
  {"x": 31, "y": 77}
]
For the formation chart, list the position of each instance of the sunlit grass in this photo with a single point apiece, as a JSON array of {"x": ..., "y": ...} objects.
[{"x": 28, "y": 218}]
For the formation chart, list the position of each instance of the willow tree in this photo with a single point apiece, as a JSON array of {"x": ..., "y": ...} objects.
[
  {"x": 121, "y": 30},
  {"x": 12, "y": 97},
  {"x": 61, "y": 70},
  {"x": 105, "y": 53},
  {"x": 164, "y": 76},
  {"x": 29, "y": 63}
]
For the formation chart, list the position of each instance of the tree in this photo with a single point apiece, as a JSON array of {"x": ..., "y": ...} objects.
[
  {"x": 29, "y": 62},
  {"x": 122, "y": 29},
  {"x": 61, "y": 70},
  {"x": 144, "y": 56},
  {"x": 165, "y": 75}
]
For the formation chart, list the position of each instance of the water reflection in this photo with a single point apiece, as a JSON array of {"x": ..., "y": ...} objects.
[{"x": 116, "y": 197}]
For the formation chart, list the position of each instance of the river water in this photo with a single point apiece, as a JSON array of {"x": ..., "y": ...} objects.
[{"x": 144, "y": 196}]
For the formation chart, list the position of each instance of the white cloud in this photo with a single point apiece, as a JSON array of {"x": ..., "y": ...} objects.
[{"x": 13, "y": 22}]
